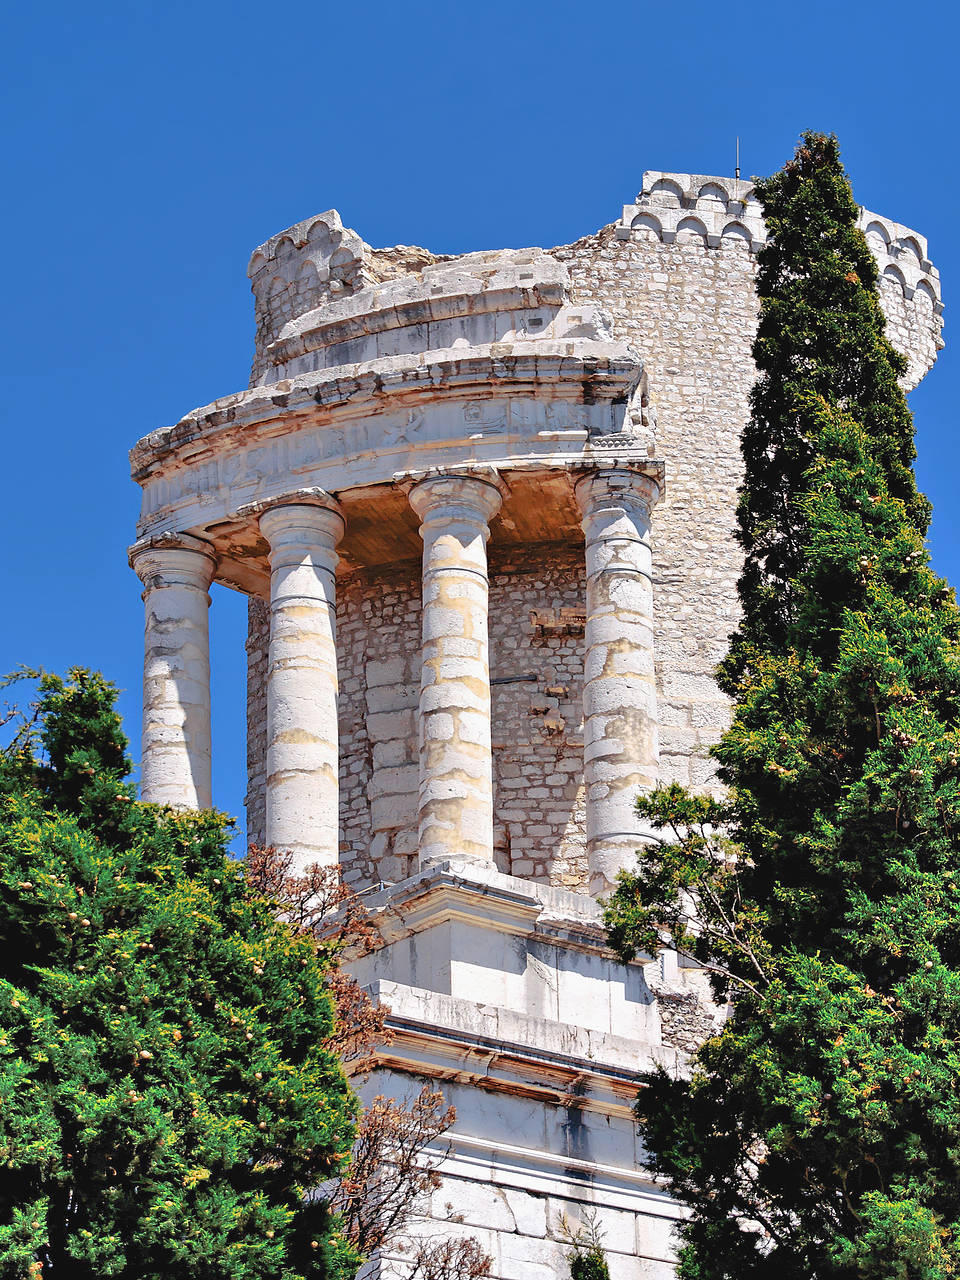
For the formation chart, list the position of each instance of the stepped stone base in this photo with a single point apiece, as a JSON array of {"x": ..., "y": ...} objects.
[{"x": 501, "y": 993}]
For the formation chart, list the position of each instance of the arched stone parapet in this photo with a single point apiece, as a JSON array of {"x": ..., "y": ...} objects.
[{"x": 314, "y": 262}]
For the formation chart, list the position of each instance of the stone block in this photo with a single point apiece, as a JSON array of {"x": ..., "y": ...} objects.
[
  {"x": 393, "y": 752},
  {"x": 399, "y": 780},
  {"x": 392, "y": 698},
  {"x": 391, "y": 725},
  {"x": 518, "y": 1253}
]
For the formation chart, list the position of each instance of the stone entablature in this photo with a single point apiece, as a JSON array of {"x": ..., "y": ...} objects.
[
  {"x": 483, "y": 510},
  {"x": 489, "y": 362}
]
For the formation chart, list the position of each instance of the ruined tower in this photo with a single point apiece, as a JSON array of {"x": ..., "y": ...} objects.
[{"x": 482, "y": 507}]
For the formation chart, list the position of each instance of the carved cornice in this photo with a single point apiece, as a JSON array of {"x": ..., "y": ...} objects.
[
  {"x": 581, "y": 371},
  {"x": 309, "y": 496},
  {"x": 169, "y": 540}
]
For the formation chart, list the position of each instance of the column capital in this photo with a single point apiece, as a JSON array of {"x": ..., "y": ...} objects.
[
  {"x": 310, "y": 496},
  {"x": 481, "y": 490},
  {"x": 315, "y": 510},
  {"x": 602, "y": 481},
  {"x": 173, "y": 559}
]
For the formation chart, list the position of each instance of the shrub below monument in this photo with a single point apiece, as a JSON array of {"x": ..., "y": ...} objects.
[{"x": 167, "y": 1095}]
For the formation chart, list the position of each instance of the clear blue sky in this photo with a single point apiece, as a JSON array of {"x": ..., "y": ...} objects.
[{"x": 150, "y": 146}]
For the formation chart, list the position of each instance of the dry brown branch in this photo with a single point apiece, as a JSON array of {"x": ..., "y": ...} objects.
[
  {"x": 449, "y": 1260},
  {"x": 361, "y": 1023},
  {"x": 318, "y": 903},
  {"x": 391, "y": 1169}
]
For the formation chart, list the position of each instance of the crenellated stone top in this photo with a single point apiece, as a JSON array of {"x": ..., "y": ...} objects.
[
  {"x": 696, "y": 207},
  {"x": 712, "y": 207}
]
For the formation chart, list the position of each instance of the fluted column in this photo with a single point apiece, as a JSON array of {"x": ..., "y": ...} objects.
[
  {"x": 620, "y": 745},
  {"x": 456, "y": 759},
  {"x": 302, "y": 741},
  {"x": 176, "y": 571}
]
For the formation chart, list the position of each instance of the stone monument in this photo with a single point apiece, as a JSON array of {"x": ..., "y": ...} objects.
[{"x": 482, "y": 509}]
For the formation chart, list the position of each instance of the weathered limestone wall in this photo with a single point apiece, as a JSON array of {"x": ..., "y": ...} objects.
[
  {"x": 910, "y": 323},
  {"x": 378, "y": 629},
  {"x": 539, "y": 822},
  {"x": 502, "y": 1188},
  {"x": 501, "y": 992},
  {"x": 258, "y": 656}
]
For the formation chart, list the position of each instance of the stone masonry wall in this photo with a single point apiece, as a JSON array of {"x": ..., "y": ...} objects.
[
  {"x": 910, "y": 322},
  {"x": 378, "y": 641},
  {"x": 539, "y": 831},
  {"x": 691, "y": 312},
  {"x": 258, "y": 645}
]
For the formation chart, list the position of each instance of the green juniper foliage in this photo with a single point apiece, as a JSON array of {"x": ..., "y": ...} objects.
[
  {"x": 819, "y": 1135},
  {"x": 586, "y": 1256},
  {"x": 166, "y": 1097},
  {"x": 591, "y": 1265}
]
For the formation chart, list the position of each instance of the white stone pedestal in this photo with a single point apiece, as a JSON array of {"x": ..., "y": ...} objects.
[{"x": 501, "y": 994}]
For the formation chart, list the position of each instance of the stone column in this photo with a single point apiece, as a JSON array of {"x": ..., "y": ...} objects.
[
  {"x": 176, "y": 571},
  {"x": 456, "y": 759},
  {"x": 303, "y": 757},
  {"x": 620, "y": 747}
]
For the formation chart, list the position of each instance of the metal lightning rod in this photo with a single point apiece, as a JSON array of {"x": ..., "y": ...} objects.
[{"x": 737, "y": 170}]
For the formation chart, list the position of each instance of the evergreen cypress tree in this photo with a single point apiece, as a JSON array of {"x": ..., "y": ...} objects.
[
  {"x": 167, "y": 1100},
  {"x": 819, "y": 1134}
]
